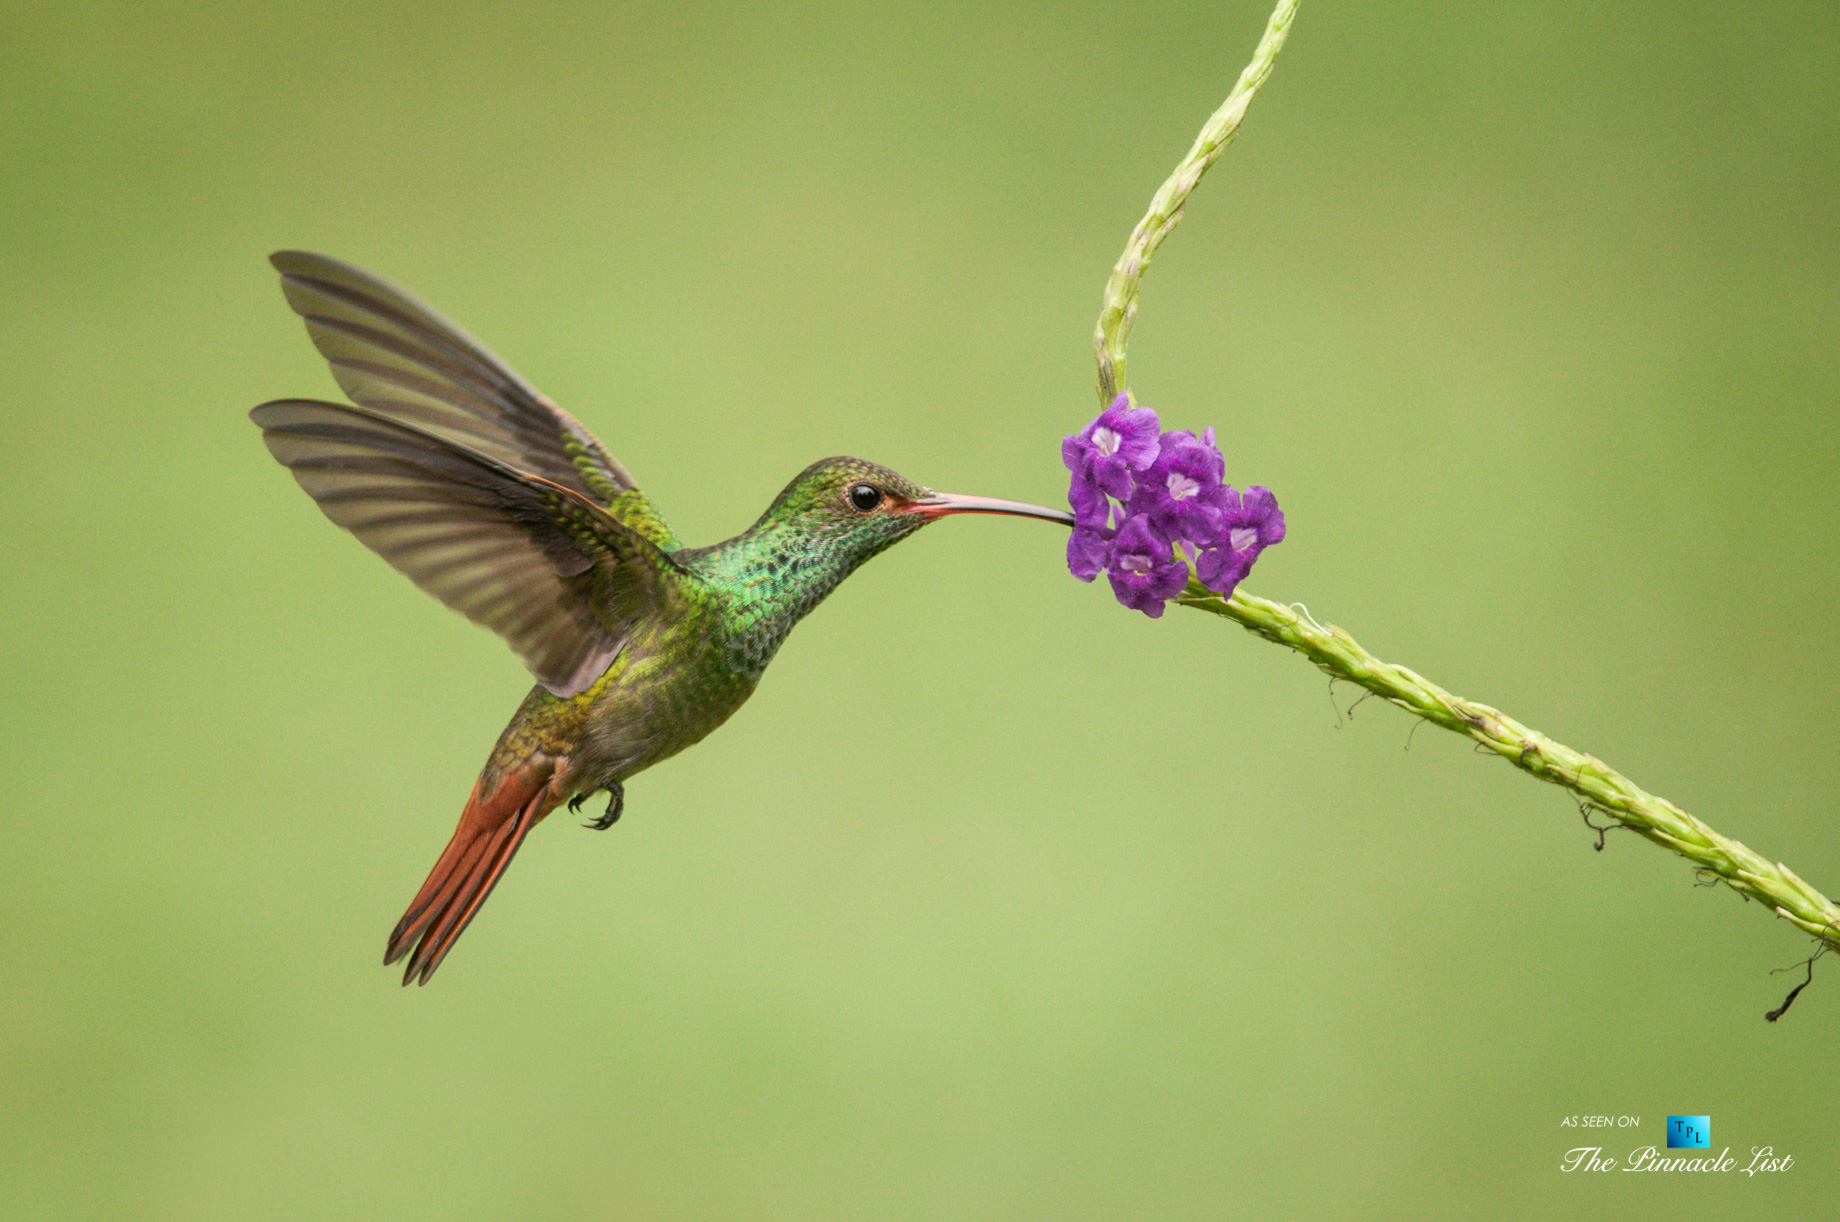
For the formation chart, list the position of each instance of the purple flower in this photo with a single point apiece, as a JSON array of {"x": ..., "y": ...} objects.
[
  {"x": 1144, "y": 576},
  {"x": 1221, "y": 570},
  {"x": 1105, "y": 453},
  {"x": 1089, "y": 550},
  {"x": 1250, "y": 522},
  {"x": 1180, "y": 492},
  {"x": 1138, "y": 496}
]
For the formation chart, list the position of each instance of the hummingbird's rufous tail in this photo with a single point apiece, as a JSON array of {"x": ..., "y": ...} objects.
[{"x": 491, "y": 829}]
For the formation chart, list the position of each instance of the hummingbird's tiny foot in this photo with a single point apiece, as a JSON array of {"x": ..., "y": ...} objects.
[
  {"x": 615, "y": 804},
  {"x": 575, "y": 803}
]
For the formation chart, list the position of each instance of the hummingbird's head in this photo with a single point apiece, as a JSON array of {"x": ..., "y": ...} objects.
[
  {"x": 863, "y": 508},
  {"x": 835, "y": 515}
]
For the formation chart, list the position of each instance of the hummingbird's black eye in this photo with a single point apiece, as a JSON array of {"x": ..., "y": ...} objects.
[{"x": 865, "y": 497}]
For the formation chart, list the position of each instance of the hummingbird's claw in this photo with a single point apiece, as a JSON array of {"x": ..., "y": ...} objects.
[
  {"x": 575, "y": 803},
  {"x": 615, "y": 804}
]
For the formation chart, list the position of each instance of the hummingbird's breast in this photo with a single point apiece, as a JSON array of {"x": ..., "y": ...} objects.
[
  {"x": 668, "y": 689},
  {"x": 686, "y": 670}
]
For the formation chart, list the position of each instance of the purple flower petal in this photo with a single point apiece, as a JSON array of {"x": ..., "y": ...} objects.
[
  {"x": 1131, "y": 596},
  {"x": 1221, "y": 570},
  {"x": 1122, "y": 439},
  {"x": 1261, "y": 509},
  {"x": 1088, "y": 552},
  {"x": 1091, "y": 508}
]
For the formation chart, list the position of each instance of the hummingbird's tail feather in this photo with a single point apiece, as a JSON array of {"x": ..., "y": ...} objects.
[{"x": 490, "y": 832}]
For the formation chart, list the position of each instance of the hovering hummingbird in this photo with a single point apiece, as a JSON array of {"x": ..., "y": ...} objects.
[{"x": 488, "y": 496}]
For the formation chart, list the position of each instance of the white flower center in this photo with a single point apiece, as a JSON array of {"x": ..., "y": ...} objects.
[
  {"x": 1134, "y": 563},
  {"x": 1242, "y": 537},
  {"x": 1181, "y": 487},
  {"x": 1107, "y": 441}
]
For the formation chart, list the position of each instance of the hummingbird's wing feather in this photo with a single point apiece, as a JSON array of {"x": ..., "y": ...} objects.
[
  {"x": 399, "y": 358},
  {"x": 561, "y": 579}
]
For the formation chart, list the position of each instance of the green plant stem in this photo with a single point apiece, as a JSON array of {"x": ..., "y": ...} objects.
[
  {"x": 1119, "y": 306},
  {"x": 1597, "y": 785}
]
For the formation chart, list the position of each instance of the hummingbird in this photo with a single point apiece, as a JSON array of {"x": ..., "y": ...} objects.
[{"x": 487, "y": 495}]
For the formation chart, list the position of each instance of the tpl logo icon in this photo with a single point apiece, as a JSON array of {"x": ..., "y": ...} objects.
[{"x": 1689, "y": 1132}]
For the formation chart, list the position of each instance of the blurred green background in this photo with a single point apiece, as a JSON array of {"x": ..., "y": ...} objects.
[{"x": 998, "y": 901}]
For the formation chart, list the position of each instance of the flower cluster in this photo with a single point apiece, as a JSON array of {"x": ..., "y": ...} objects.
[{"x": 1148, "y": 504}]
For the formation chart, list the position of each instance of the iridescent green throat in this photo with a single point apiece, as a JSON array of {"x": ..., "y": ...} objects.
[{"x": 767, "y": 580}]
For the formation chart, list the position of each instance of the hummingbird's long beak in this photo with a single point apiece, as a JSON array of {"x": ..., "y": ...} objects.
[{"x": 939, "y": 504}]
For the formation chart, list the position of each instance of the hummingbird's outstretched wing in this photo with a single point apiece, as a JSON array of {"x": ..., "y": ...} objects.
[
  {"x": 401, "y": 359},
  {"x": 560, "y": 578}
]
